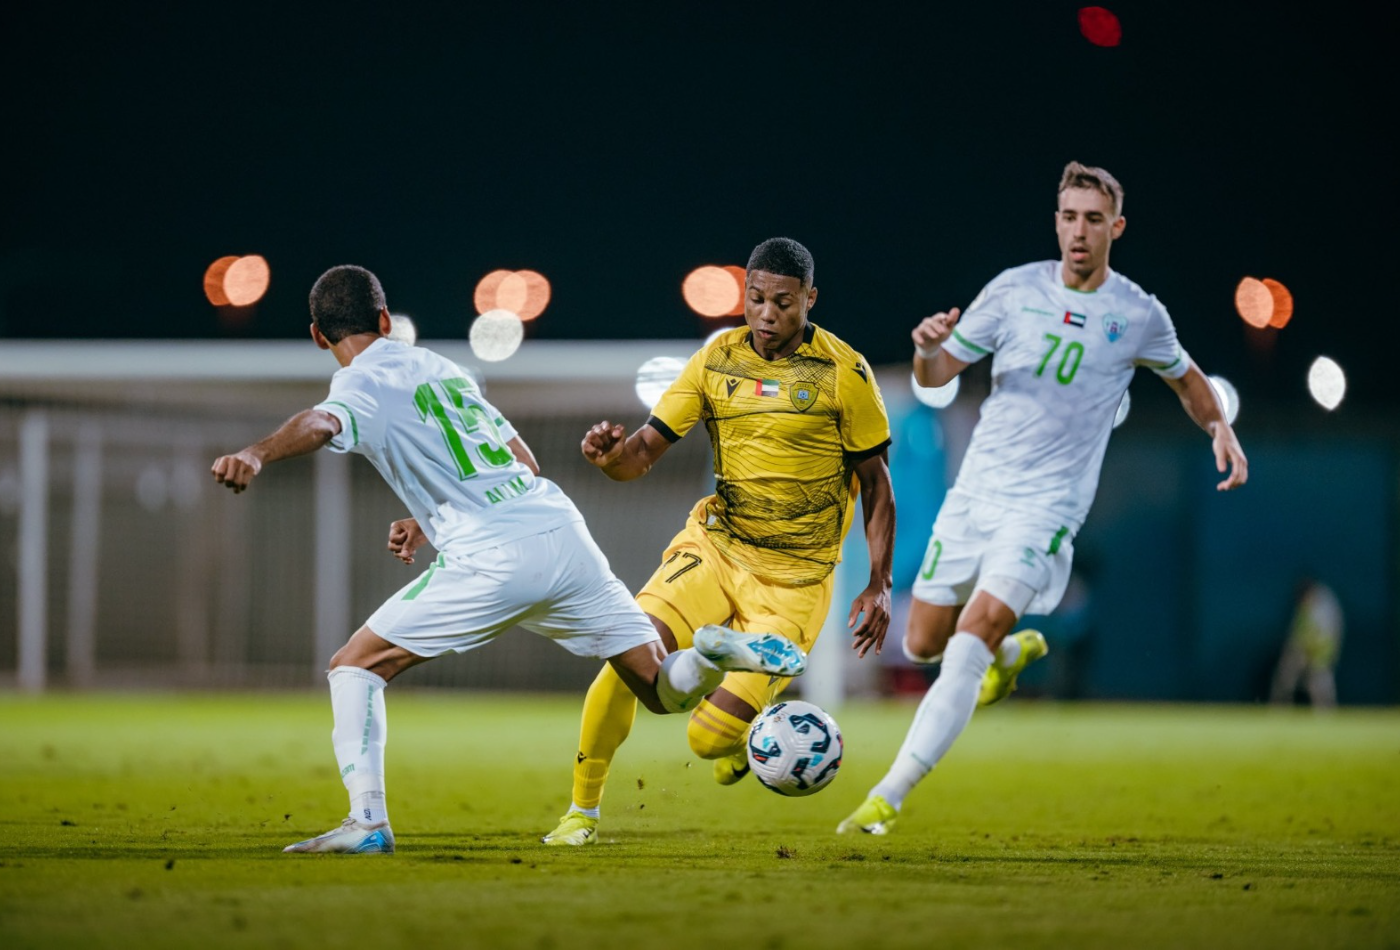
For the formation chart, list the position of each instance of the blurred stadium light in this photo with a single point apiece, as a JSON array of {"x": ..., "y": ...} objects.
[
  {"x": 1283, "y": 303},
  {"x": 655, "y": 376},
  {"x": 496, "y": 335},
  {"x": 713, "y": 291},
  {"x": 1229, "y": 397},
  {"x": 403, "y": 329},
  {"x": 246, "y": 280},
  {"x": 1327, "y": 384}
]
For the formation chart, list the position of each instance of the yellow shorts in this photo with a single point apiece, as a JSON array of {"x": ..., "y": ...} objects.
[{"x": 696, "y": 584}]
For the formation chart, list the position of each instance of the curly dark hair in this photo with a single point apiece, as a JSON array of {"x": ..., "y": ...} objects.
[
  {"x": 784, "y": 257},
  {"x": 346, "y": 300}
]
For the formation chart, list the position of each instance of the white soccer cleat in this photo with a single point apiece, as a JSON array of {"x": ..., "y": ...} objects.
[
  {"x": 350, "y": 838},
  {"x": 733, "y": 651}
]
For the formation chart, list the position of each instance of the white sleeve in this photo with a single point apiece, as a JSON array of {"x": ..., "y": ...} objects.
[
  {"x": 1160, "y": 351},
  {"x": 354, "y": 400},
  {"x": 978, "y": 330}
]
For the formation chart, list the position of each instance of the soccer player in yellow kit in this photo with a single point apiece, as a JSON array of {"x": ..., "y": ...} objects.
[{"x": 798, "y": 431}]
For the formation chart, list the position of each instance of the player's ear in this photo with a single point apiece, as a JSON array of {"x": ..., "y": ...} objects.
[
  {"x": 811, "y": 298},
  {"x": 386, "y": 325},
  {"x": 1116, "y": 230},
  {"x": 319, "y": 338}
]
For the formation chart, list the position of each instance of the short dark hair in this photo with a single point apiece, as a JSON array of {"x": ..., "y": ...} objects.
[
  {"x": 1095, "y": 179},
  {"x": 346, "y": 300},
  {"x": 784, "y": 257}
]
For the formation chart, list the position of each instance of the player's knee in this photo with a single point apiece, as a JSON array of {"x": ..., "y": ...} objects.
[
  {"x": 714, "y": 733},
  {"x": 914, "y": 654}
]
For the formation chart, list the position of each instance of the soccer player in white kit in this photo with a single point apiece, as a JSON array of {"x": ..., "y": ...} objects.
[
  {"x": 1066, "y": 336},
  {"x": 512, "y": 548}
]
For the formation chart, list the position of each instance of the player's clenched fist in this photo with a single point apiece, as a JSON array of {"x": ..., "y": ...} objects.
[
  {"x": 236, "y": 471},
  {"x": 932, "y": 331},
  {"x": 405, "y": 537},
  {"x": 603, "y": 443}
]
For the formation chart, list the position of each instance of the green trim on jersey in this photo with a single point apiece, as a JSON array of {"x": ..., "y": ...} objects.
[
  {"x": 970, "y": 345},
  {"x": 1057, "y": 540},
  {"x": 354, "y": 426},
  {"x": 1159, "y": 367},
  {"x": 417, "y": 588}
]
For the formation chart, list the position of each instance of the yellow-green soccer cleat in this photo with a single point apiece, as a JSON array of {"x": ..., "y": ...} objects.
[
  {"x": 998, "y": 683},
  {"x": 732, "y": 768},
  {"x": 574, "y": 829},
  {"x": 875, "y": 816}
]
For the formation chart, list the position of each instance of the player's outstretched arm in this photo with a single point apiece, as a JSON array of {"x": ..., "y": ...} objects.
[
  {"x": 877, "y": 505},
  {"x": 1201, "y": 403},
  {"x": 932, "y": 364},
  {"x": 405, "y": 537},
  {"x": 304, "y": 432},
  {"x": 620, "y": 456}
]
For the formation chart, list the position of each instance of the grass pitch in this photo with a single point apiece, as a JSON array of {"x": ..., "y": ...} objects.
[{"x": 133, "y": 821}]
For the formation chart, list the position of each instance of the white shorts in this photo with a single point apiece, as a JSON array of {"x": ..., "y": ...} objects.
[
  {"x": 557, "y": 584},
  {"x": 975, "y": 540}
]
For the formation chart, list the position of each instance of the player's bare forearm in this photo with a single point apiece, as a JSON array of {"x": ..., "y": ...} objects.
[
  {"x": 303, "y": 433},
  {"x": 1202, "y": 404},
  {"x": 877, "y": 506},
  {"x": 523, "y": 455},
  {"x": 620, "y": 456}
]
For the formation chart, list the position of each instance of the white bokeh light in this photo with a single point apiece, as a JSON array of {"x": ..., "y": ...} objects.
[
  {"x": 1124, "y": 405},
  {"x": 401, "y": 328},
  {"x": 496, "y": 335},
  {"x": 1327, "y": 383},
  {"x": 655, "y": 376},
  {"x": 1229, "y": 397},
  {"x": 938, "y": 397}
]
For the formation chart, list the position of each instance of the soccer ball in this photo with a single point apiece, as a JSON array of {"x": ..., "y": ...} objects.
[{"x": 795, "y": 748}]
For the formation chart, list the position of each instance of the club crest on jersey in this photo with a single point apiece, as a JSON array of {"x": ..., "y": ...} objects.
[
  {"x": 803, "y": 394},
  {"x": 1114, "y": 327},
  {"x": 1075, "y": 319},
  {"x": 765, "y": 387}
]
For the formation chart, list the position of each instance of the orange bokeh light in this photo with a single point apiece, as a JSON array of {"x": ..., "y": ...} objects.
[
  {"x": 246, "y": 280},
  {"x": 214, "y": 280},
  {"x": 1254, "y": 302},
  {"x": 712, "y": 291},
  {"x": 741, "y": 277},
  {"x": 1283, "y": 303},
  {"x": 524, "y": 293}
]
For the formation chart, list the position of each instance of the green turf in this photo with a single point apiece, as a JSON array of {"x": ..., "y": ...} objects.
[{"x": 158, "y": 822}]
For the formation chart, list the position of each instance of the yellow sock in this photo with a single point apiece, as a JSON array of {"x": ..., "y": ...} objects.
[
  {"x": 608, "y": 712},
  {"x": 714, "y": 733}
]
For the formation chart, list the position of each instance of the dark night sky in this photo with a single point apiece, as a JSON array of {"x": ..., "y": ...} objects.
[{"x": 914, "y": 150}]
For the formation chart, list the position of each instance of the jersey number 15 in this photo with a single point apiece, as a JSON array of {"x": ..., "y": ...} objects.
[{"x": 463, "y": 423}]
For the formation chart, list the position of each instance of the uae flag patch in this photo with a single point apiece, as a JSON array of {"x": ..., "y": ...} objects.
[
  {"x": 1075, "y": 319},
  {"x": 765, "y": 387}
]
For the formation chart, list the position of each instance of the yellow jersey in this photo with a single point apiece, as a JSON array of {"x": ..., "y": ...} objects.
[{"x": 786, "y": 437}]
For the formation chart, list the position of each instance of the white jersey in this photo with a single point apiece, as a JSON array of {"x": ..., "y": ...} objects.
[
  {"x": 1063, "y": 360},
  {"x": 442, "y": 448}
]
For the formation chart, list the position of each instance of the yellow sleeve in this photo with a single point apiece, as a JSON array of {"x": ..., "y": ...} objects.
[
  {"x": 865, "y": 426},
  {"x": 679, "y": 407}
]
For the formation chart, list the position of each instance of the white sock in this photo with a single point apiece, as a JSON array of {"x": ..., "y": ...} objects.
[
  {"x": 1008, "y": 653},
  {"x": 589, "y": 812},
  {"x": 943, "y": 714},
  {"x": 685, "y": 678},
  {"x": 361, "y": 728}
]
